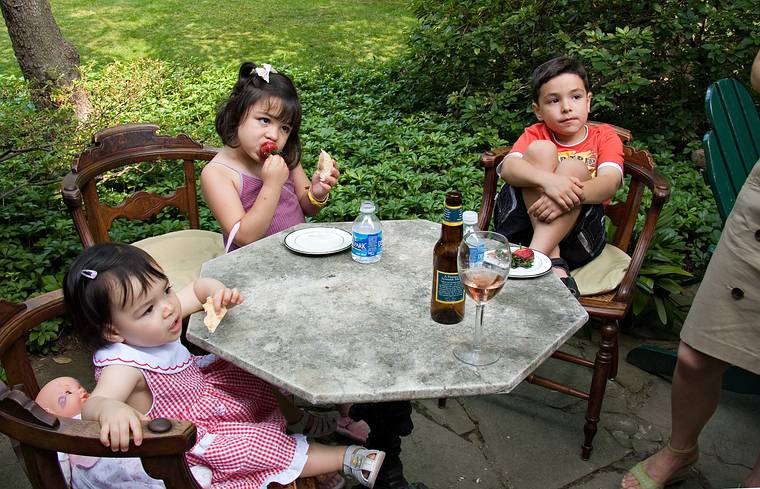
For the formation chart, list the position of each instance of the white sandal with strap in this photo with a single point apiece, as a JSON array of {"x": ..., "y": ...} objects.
[
  {"x": 357, "y": 460},
  {"x": 315, "y": 425}
]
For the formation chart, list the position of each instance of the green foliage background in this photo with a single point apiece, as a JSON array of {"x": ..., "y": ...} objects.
[{"x": 403, "y": 128}]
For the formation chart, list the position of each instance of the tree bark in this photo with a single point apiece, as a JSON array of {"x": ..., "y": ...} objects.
[{"x": 47, "y": 59}]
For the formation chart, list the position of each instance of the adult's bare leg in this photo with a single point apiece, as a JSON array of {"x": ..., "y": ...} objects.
[{"x": 694, "y": 398}]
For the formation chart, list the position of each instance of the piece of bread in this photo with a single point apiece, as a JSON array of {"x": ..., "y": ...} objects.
[
  {"x": 324, "y": 166},
  {"x": 212, "y": 320}
]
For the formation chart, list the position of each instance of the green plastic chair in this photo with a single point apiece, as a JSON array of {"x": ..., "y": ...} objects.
[{"x": 732, "y": 146}]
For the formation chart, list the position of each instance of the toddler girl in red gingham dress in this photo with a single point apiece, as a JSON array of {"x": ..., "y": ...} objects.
[{"x": 123, "y": 306}]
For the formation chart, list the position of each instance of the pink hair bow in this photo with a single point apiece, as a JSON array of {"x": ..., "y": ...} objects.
[{"x": 264, "y": 71}]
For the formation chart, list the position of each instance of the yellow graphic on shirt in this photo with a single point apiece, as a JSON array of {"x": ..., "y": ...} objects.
[{"x": 588, "y": 157}]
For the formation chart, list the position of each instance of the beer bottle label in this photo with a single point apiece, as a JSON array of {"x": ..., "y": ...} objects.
[
  {"x": 452, "y": 216},
  {"x": 448, "y": 288},
  {"x": 367, "y": 245}
]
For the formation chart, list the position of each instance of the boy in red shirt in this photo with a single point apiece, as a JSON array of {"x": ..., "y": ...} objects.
[{"x": 560, "y": 173}]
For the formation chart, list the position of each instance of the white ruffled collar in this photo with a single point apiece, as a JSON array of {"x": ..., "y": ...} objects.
[{"x": 166, "y": 359}]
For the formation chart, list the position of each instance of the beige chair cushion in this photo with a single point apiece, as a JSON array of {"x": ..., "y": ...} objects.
[
  {"x": 602, "y": 274},
  {"x": 181, "y": 253}
]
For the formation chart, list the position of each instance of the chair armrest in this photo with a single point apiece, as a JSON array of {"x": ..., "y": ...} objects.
[
  {"x": 660, "y": 194},
  {"x": 489, "y": 160}
]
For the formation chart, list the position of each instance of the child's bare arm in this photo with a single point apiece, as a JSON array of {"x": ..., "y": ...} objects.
[
  {"x": 223, "y": 199},
  {"x": 566, "y": 191},
  {"x": 601, "y": 187},
  {"x": 108, "y": 406},
  {"x": 192, "y": 296}
]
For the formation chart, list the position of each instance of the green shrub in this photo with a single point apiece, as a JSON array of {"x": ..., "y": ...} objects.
[{"x": 649, "y": 62}]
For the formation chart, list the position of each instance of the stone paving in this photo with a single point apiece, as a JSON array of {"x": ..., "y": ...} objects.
[{"x": 530, "y": 439}]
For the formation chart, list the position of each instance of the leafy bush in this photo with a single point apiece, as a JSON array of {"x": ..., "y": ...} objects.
[{"x": 650, "y": 62}]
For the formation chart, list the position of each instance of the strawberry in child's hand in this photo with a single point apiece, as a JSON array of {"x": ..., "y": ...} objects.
[
  {"x": 522, "y": 258},
  {"x": 268, "y": 148}
]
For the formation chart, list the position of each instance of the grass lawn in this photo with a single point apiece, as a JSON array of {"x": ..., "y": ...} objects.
[{"x": 306, "y": 33}]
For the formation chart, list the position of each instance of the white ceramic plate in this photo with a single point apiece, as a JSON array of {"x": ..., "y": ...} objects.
[
  {"x": 541, "y": 265},
  {"x": 318, "y": 241}
]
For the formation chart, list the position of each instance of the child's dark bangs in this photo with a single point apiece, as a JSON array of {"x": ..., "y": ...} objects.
[
  {"x": 284, "y": 110},
  {"x": 121, "y": 281}
]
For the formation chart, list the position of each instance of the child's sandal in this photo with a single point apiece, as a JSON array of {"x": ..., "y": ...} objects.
[
  {"x": 357, "y": 460},
  {"x": 315, "y": 425},
  {"x": 569, "y": 281}
]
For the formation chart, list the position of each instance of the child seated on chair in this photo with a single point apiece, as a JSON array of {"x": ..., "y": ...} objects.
[
  {"x": 560, "y": 173},
  {"x": 123, "y": 306}
]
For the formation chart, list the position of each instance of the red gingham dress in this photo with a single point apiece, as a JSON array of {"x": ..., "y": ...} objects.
[{"x": 241, "y": 432}]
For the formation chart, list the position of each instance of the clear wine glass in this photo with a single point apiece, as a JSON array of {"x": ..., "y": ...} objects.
[{"x": 483, "y": 260}]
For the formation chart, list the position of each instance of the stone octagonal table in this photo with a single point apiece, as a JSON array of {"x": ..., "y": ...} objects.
[{"x": 331, "y": 330}]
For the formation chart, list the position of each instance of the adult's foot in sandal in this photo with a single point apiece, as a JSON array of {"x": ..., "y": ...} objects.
[{"x": 668, "y": 466}]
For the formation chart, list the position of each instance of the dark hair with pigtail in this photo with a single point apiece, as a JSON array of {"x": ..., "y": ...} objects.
[
  {"x": 101, "y": 278},
  {"x": 555, "y": 67},
  {"x": 248, "y": 90}
]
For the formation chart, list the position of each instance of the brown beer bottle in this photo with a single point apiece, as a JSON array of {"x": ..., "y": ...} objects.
[{"x": 447, "y": 301}]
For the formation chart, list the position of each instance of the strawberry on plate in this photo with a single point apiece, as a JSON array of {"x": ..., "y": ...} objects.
[{"x": 522, "y": 258}]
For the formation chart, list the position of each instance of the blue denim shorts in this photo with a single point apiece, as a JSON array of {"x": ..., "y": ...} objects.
[{"x": 584, "y": 242}]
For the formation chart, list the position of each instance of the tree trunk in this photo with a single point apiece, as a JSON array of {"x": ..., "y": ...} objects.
[{"x": 47, "y": 60}]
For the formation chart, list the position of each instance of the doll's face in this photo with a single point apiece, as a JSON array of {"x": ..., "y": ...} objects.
[{"x": 62, "y": 396}]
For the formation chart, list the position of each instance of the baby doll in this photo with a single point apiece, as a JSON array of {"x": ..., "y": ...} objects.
[{"x": 64, "y": 396}]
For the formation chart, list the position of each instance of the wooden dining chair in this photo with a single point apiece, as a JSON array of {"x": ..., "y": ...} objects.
[
  {"x": 612, "y": 306},
  {"x": 37, "y": 436},
  {"x": 114, "y": 156}
]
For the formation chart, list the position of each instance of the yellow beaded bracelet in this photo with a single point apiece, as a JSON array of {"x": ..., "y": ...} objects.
[{"x": 315, "y": 202}]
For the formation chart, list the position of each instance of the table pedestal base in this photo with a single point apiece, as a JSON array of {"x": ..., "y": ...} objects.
[{"x": 388, "y": 422}]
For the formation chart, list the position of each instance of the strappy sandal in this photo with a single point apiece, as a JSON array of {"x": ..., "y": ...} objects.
[
  {"x": 357, "y": 431},
  {"x": 645, "y": 480},
  {"x": 569, "y": 281},
  {"x": 315, "y": 425},
  {"x": 357, "y": 461}
]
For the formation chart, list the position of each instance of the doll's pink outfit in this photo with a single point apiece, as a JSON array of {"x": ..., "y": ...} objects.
[
  {"x": 287, "y": 214},
  {"x": 241, "y": 432}
]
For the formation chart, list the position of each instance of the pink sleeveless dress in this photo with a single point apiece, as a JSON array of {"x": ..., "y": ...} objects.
[
  {"x": 241, "y": 432},
  {"x": 288, "y": 212}
]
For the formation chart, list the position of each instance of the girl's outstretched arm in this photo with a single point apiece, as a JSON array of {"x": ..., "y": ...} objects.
[
  {"x": 192, "y": 296},
  {"x": 108, "y": 406}
]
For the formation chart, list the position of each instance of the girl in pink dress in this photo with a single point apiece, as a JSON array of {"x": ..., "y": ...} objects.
[
  {"x": 123, "y": 306},
  {"x": 255, "y": 192}
]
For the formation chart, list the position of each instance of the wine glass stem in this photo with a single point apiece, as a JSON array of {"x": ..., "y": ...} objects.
[{"x": 478, "y": 326}]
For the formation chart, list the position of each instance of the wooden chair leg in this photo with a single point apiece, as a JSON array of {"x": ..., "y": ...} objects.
[
  {"x": 615, "y": 352},
  {"x": 602, "y": 366}
]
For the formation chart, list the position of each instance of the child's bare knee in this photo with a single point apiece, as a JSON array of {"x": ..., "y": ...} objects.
[
  {"x": 542, "y": 154},
  {"x": 572, "y": 167}
]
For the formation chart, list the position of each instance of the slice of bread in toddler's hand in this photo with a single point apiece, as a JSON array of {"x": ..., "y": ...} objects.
[
  {"x": 212, "y": 319},
  {"x": 324, "y": 166}
]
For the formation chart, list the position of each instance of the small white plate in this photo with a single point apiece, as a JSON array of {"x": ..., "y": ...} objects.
[
  {"x": 318, "y": 241},
  {"x": 541, "y": 265}
]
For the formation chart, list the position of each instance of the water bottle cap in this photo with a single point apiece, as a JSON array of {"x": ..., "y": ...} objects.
[
  {"x": 367, "y": 207},
  {"x": 470, "y": 217}
]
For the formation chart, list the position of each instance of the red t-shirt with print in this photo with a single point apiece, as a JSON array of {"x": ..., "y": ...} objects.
[{"x": 600, "y": 148}]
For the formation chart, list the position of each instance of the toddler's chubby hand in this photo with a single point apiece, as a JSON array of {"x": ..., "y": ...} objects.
[
  {"x": 322, "y": 185},
  {"x": 566, "y": 191},
  {"x": 226, "y": 297},
  {"x": 275, "y": 171},
  {"x": 117, "y": 420}
]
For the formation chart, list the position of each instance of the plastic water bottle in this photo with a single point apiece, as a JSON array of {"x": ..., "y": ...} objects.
[
  {"x": 477, "y": 247},
  {"x": 367, "y": 235}
]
